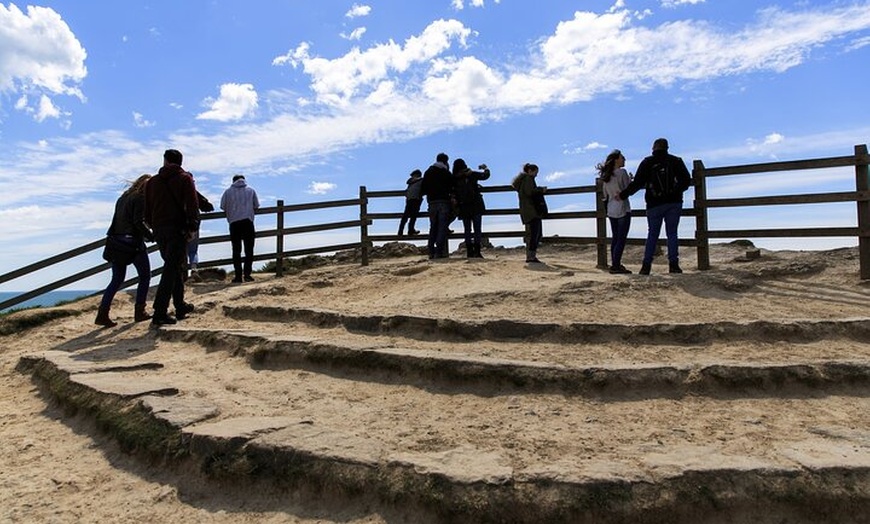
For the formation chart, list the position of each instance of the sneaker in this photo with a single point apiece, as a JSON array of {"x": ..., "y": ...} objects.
[
  {"x": 186, "y": 309},
  {"x": 620, "y": 270},
  {"x": 533, "y": 261},
  {"x": 249, "y": 278},
  {"x": 160, "y": 320}
]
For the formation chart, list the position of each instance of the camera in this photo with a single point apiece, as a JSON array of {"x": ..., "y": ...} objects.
[{"x": 482, "y": 166}]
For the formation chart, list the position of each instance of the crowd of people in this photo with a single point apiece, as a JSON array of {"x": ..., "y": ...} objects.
[
  {"x": 457, "y": 193},
  {"x": 165, "y": 208}
]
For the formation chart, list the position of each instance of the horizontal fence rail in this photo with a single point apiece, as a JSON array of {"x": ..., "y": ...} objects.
[{"x": 699, "y": 210}]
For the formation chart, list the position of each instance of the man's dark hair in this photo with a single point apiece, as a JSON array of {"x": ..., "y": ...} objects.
[
  {"x": 173, "y": 156},
  {"x": 442, "y": 157},
  {"x": 238, "y": 177}
]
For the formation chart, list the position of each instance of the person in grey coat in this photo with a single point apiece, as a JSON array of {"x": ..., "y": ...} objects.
[{"x": 241, "y": 203}]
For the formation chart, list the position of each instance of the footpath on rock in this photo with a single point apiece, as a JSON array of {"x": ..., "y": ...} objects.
[{"x": 465, "y": 391}]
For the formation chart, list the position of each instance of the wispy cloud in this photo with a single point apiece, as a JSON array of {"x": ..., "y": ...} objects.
[
  {"x": 320, "y": 188},
  {"x": 140, "y": 121},
  {"x": 358, "y": 10}
]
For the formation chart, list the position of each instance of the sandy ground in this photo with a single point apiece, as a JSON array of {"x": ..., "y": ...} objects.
[{"x": 57, "y": 467}]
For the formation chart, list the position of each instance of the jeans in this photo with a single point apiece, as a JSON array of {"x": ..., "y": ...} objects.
[
  {"x": 193, "y": 251},
  {"x": 619, "y": 229},
  {"x": 534, "y": 234},
  {"x": 472, "y": 239},
  {"x": 173, "y": 248},
  {"x": 242, "y": 232},
  {"x": 670, "y": 214},
  {"x": 119, "y": 273},
  {"x": 439, "y": 222},
  {"x": 412, "y": 209}
]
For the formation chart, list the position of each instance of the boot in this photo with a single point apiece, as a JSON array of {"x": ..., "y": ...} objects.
[
  {"x": 645, "y": 268},
  {"x": 140, "y": 315},
  {"x": 532, "y": 257},
  {"x": 477, "y": 251},
  {"x": 674, "y": 267},
  {"x": 103, "y": 318}
]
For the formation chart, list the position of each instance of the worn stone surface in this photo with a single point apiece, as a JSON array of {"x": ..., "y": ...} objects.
[
  {"x": 71, "y": 363},
  {"x": 124, "y": 385},
  {"x": 180, "y": 411},
  {"x": 464, "y": 464}
]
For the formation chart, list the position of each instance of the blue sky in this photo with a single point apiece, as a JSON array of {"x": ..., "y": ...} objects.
[{"x": 310, "y": 100}]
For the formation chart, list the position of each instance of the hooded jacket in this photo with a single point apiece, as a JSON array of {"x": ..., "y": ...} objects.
[
  {"x": 644, "y": 171},
  {"x": 240, "y": 201},
  {"x": 170, "y": 200}
]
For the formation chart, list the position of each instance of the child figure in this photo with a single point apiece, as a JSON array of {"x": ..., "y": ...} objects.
[{"x": 413, "y": 200}]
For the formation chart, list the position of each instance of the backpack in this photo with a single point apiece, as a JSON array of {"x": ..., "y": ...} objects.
[{"x": 662, "y": 181}]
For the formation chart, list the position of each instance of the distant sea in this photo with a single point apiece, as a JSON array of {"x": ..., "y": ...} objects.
[{"x": 47, "y": 300}]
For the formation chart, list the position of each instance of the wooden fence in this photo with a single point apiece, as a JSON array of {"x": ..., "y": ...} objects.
[{"x": 699, "y": 210}]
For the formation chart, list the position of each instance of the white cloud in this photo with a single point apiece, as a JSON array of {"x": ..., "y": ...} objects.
[
  {"x": 459, "y": 5},
  {"x": 39, "y": 55},
  {"x": 555, "y": 176},
  {"x": 46, "y": 109},
  {"x": 356, "y": 34},
  {"x": 773, "y": 138},
  {"x": 236, "y": 102},
  {"x": 320, "y": 188},
  {"x": 140, "y": 121},
  {"x": 336, "y": 82},
  {"x": 677, "y": 3},
  {"x": 358, "y": 10}
]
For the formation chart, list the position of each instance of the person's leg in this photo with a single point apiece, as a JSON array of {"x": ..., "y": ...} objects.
[
  {"x": 236, "y": 243},
  {"x": 177, "y": 252},
  {"x": 477, "y": 222},
  {"x": 535, "y": 232},
  {"x": 164, "y": 287},
  {"x": 173, "y": 248},
  {"x": 441, "y": 239},
  {"x": 672, "y": 224},
  {"x": 654, "y": 218},
  {"x": 620, "y": 227},
  {"x": 119, "y": 272},
  {"x": 143, "y": 270},
  {"x": 433, "y": 229},
  {"x": 248, "y": 238},
  {"x": 406, "y": 213},
  {"x": 469, "y": 241},
  {"x": 414, "y": 210},
  {"x": 193, "y": 251}
]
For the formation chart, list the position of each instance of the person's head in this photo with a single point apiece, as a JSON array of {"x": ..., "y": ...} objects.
[
  {"x": 138, "y": 185},
  {"x": 172, "y": 156},
  {"x": 416, "y": 173},
  {"x": 459, "y": 166},
  {"x": 238, "y": 177},
  {"x": 660, "y": 144},
  {"x": 613, "y": 161},
  {"x": 442, "y": 157},
  {"x": 530, "y": 169}
]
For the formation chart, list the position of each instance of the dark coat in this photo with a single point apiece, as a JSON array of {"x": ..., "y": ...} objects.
[
  {"x": 468, "y": 196},
  {"x": 644, "y": 170}
]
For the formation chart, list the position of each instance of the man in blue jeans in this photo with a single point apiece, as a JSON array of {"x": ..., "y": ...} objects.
[
  {"x": 664, "y": 178},
  {"x": 439, "y": 190}
]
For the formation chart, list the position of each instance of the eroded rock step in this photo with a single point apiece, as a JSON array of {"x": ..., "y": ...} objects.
[
  {"x": 427, "y": 367},
  {"x": 516, "y": 458},
  {"x": 593, "y": 333}
]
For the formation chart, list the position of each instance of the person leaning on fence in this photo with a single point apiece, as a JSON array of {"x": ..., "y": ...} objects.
[
  {"x": 413, "y": 200},
  {"x": 532, "y": 209},
  {"x": 241, "y": 203},
  {"x": 664, "y": 178},
  {"x": 470, "y": 203},
  {"x": 614, "y": 178},
  {"x": 438, "y": 188},
  {"x": 172, "y": 211},
  {"x": 125, "y": 244},
  {"x": 193, "y": 243}
]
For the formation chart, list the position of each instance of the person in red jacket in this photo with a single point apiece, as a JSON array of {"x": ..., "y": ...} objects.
[{"x": 172, "y": 211}]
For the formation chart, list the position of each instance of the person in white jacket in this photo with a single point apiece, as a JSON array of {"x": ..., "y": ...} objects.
[{"x": 241, "y": 203}]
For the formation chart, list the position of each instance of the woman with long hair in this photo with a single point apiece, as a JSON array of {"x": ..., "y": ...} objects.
[
  {"x": 125, "y": 244},
  {"x": 470, "y": 203},
  {"x": 615, "y": 178}
]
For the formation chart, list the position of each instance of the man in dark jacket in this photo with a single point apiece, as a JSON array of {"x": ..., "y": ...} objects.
[
  {"x": 664, "y": 178},
  {"x": 438, "y": 188},
  {"x": 172, "y": 211}
]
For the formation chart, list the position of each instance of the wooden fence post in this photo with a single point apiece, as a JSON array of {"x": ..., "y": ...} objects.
[
  {"x": 702, "y": 237},
  {"x": 279, "y": 241},
  {"x": 862, "y": 185},
  {"x": 600, "y": 224},
  {"x": 363, "y": 226}
]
